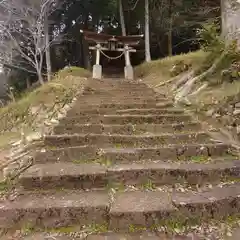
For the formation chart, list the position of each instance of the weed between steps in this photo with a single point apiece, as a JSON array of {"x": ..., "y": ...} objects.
[
  {"x": 148, "y": 185},
  {"x": 102, "y": 161},
  {"x": 7, "y": 185},
  {"x": 118, "y": 145},
  {"x": 175, "y": 226},
  {"x": 207, "y": 159},
  {"x": 4, "y": 186},
  {"x": 93, "y": 228},
  {"x": 200, "y": 159},
  {"x": 120, "y": 187}
]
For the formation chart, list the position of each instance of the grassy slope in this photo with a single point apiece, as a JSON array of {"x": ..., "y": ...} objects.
[
  {"x": 45, "y": 100},
  {"x": 158, "y": 71}
]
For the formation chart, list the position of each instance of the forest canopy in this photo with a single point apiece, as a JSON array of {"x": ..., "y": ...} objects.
[{"x": 40, "y": 37}]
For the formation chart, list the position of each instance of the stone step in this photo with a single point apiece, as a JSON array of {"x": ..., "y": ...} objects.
[
  {"x": 121, "y": 141},
  {"x": 120, "y": 89},
  {"x": 175, "y": 152},
  {"x": 117, "y": 84},
  {"x": 77, "y": 235},
  {"x": 127, "y": 86},
  {"x": 150, "y": 111},
  {"x": 147, "y": 93},
  {"x": 128, "y": 128},
  {"x": 111, "y": 84},
  {"x": 91, "y": 100},
  {"x": 154, "y": 235},
  {"x": 123, "y": 95},
  {"x": 145, "y": 208},
  {"x": 94, "y": 175},
  {"x": 97, "y": 100},
  {"x": 122, "y": 85},
  {"x": 123, "y": 92},
  {"x": 55, "y": 209},
  {"x": 76, "y": 111},
  {"x": 102, "y": 86},
  {"x": 119, "y": 210},
  {"x": 119, "y": 106},
  {"x": 126, "y": 119}
]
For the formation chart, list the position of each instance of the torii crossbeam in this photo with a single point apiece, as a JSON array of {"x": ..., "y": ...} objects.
[{"x": 105, "y": 42}]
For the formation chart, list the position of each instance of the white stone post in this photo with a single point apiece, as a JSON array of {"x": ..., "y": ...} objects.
[
  {"x": 98, "y": 54},
  {"x": 128, "y": 69},
  {"x": 97, "y": 68},
  {"x": 127, "y": 56}
]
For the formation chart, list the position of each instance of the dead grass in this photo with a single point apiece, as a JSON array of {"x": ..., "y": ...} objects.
[
  {"x": 73, "y": 71},
  {"x": 47, "y": 99},
  {"x": 7, "y": 137},
  {"x": 216, "y": 95},
  {"x": 212, "y": 106},
  {"x": 159, "y": 70}
]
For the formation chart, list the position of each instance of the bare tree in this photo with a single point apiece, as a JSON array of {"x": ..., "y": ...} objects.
[
  {"x": 231, "y": 20},
  {"x": 147, "y": 38},
  {"x": 122, "y": 20},
  {"x": 47, "y": 41},
  {"x": 170, "y": 15},
  {"x": 23, "y": 26}
]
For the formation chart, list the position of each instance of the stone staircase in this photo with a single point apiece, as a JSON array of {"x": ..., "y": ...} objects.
[{"x": 125, "y": 158}]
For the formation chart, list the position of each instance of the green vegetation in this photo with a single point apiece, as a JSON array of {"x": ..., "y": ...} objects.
[
  {"x": 102, "y": 161},
  {"x": 7, "y": 185},
  {"x": 29, "y": 228},
  {"x": 80, "y": 161},
  {"x": 73, "y": 71},
  {"x": 4, "y": 186},
  {"x": 91, "y": 228},
  {"x": 174, "y": 226},
  {"x": 66, "y": 230},
  {"x": 148, "y": 185},
  {"x": 116, "y": 186},
  {"x": 118, "y": 145},
  {"x": 200, "y": 159},
  {"x": 99, "y": 228}
]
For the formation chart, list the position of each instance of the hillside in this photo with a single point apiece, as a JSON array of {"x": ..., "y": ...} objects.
[
  {"x": 32, "y": 115},
  {"x": 121, "y": 160},
  {"x": 212, "y": 99}
]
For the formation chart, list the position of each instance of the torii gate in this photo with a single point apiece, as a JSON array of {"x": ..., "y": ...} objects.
[{"x": 105, "y": 42}]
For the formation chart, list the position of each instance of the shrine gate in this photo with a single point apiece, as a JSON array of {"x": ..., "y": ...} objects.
[{"x": 105, "y": 42}]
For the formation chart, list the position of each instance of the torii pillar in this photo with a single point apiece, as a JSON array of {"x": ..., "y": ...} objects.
[
  {"x": 105, "y": 42},
  {"x": 128, "y": 69},
  {"x": 97, "y": 68}
]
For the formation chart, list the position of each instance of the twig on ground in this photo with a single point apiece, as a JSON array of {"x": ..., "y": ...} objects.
[{"x": 166, "y": 82}]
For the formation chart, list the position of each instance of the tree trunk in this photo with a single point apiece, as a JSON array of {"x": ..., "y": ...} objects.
[
  {"x": 38, "y": 65},
  {"x": 47, "y": 51},
  {"x": 121, "y": 13},
  {"x": 147, "y": 37},
  {"x": 231, "y": 20},
  {"x": 28, "y": 83},
  {"x": 170, "y": 28},
  {"x": 40, "y": 77},
  {"x": 87, "y": 63},
  {"x": 86, "y": 55}
]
